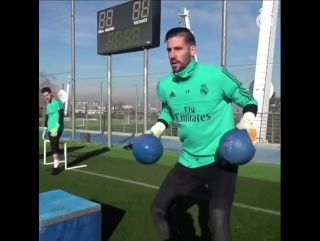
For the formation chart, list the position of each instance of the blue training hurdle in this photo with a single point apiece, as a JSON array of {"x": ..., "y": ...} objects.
[{"x": 66, "y": 217}]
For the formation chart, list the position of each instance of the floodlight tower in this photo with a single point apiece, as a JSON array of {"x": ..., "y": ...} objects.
[
  {"x": 186, "y": 17},
  {"x": 66, "y": 103},
  {"x": 262, "y": 86}
]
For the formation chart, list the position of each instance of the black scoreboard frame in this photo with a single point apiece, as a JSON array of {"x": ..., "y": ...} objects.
[{"x": 144, "y": 31}]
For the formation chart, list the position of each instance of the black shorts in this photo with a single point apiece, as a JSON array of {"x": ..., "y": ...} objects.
[
  {"x": 180, "y": 181},
  {"x": 54, "y": 142}
]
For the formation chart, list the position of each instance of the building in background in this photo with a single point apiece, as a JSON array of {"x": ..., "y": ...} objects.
[
  {"x": 127, "y": 107},
  {"x": 92, "y": 105}
]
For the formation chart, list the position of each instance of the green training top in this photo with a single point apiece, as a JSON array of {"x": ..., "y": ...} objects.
[
  {"x": 53, "y": 114},
  {"x": 200, "y": 99}
]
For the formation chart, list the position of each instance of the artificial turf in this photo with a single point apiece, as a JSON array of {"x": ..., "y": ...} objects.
[{"x": 126, "y": 215}]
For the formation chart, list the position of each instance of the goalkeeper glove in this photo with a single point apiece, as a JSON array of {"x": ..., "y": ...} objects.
[
  {"x": 246, "y": 123},
  {"x": 44, "y": 131},
  {"x": 156, "y": 130},
  {"x": 54, "y": 131}
]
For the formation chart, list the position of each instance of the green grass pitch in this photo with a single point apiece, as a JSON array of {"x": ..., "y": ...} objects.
[{"x": 126, "y": 189}]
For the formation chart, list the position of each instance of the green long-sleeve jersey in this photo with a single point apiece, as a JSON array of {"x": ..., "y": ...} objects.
[{"x": 200, "y": 99}]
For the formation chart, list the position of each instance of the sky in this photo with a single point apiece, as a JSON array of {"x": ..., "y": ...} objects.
[{"x": 127, "y": 69}]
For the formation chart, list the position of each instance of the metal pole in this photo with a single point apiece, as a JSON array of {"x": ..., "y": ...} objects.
[
  {"x": 136, "y": 109},
  {"x": 109, "y": 99},
  {"x": 86, "y": 115},
  {"x": 73, "y": 73},
  {"x": 145, "y": 90},
  {"x": 224, "y": 33},
  {"x": 128, "y": 116},
  {"x": 101, "y": 106}
]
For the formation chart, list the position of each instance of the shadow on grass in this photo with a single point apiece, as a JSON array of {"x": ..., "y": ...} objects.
[
  {"x": 111, "y": 217},
  {"x": 87, "y": 155},
  {"x": 78, "y": 157},
  {"x": 69, "y": 150},
  {"x": 182, "y": 223}
]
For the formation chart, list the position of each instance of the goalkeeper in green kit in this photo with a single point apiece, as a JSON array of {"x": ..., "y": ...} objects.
[
  {"x": 54, "y": 123},
  {"x": 199, "y": 97}
]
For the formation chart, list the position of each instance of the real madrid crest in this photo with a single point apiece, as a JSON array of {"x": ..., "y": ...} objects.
[{"x": 204, "y": 90}]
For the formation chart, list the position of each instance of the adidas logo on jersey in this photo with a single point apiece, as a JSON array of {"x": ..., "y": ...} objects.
[{"x": 172, "y": 95}]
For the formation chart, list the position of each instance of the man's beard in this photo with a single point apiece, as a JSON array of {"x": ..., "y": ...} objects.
[{"x": 182, "y": 67}]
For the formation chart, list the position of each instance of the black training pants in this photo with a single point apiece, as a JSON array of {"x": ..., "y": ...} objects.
[
  {"x": 180, "y": 181},
  {"x": 54, "y": 142}
]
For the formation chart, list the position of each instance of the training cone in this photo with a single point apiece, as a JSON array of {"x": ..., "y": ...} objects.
[
  {"x": 236, "y": 147},
  {"x": 147, "y": 149}
]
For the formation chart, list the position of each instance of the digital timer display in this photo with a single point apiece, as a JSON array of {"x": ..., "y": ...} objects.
[{"x": 129, "y": 27}]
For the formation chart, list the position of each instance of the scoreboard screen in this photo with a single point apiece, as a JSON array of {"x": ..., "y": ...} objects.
[{"x": 129, "y": 27}]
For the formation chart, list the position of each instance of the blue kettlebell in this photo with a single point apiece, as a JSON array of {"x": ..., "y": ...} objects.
[
  {"x": 147, "y": 149},
  {"x": 236, "y": 147}
]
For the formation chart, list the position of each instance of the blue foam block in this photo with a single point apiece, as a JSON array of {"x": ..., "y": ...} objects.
[{"x": 66, "y": 217}]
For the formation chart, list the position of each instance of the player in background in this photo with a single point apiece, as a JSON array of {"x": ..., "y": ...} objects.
[
  {"x": 54, "y": 124},
  {"x": 199, "y": 97}
]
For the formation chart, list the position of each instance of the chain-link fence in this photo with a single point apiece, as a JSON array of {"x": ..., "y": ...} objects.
[{"x": 128, "y": 122}]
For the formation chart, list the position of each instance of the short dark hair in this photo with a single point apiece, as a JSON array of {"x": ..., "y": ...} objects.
[
  {"x": 181, "y": 32},
  {"x": 45, "y": 89}
]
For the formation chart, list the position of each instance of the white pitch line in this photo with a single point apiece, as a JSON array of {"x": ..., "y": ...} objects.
[{"x": 240, "y": 205}]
